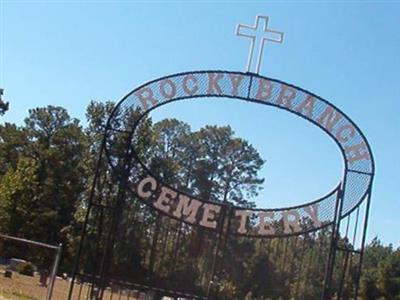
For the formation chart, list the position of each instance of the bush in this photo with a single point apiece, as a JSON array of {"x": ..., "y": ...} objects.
[{"x": 26, "y": 269}]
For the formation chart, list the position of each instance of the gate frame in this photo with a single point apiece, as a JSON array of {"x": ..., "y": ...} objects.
[{"x": 223, "y": 234}]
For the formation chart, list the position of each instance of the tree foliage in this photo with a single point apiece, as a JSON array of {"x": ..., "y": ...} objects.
[
  {"x": 46, "y": 174},
  {"x": 43, "y": 175},
  {"x": 4, "y": 106}
]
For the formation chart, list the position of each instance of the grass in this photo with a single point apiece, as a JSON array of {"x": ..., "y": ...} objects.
[
  {"x": 21, "y": 287},
  {"x": 10, "y": 294}
]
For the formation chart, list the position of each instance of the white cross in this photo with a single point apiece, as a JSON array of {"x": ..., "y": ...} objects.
[{"x": 258, "y": 40}]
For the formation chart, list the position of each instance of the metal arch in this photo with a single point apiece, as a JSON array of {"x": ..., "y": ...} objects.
[
  {"x": 251, "y": 76},
  {"x": 246, "y": 99},
  {"x": 335, "y": 224}
]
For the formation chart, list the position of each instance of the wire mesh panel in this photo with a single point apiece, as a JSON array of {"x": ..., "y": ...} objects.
[{"x": 260, "y": 90}]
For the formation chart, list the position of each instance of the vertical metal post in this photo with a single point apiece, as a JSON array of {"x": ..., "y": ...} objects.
[
  {"x": 224, "y": 246},
  {"x": 346, "y": 261},
  {"x": 333, "y": 245},
  {"x": 212, "y": 283},
  {"x": 363, "y": 243},
  {"x": 54, "y": 272},
  {"x": 343, "y": 277},
  {"x": 85, "y": 224},
  {"x": 107, "y": 253}
]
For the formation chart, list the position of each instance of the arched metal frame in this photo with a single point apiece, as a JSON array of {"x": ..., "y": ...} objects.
[{"x": 329, "y": 210}]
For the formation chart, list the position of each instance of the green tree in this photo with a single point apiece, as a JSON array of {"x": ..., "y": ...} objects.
[
  {"x": 13, "y": 145},
  {"x": 4, "y": 106},
  {"x": 43, "y": 178},
  {"x": 17, "y": 198},
  {"x": 389, "y": 276},
  {"x": 210, "y": 163},
  {"x": 227, "y": 166},
  {"x": 58, "y": 145},
  {"x": 167, "y": 151}
]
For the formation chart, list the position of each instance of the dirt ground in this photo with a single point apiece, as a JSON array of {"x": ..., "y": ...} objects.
[{"x": 21, "y": 287}]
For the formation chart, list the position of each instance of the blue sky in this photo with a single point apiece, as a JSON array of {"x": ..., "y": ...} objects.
[{"x": 69, "y": 52}]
